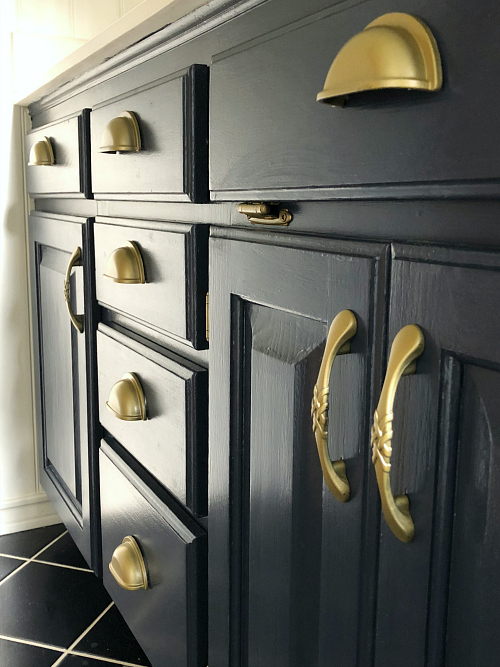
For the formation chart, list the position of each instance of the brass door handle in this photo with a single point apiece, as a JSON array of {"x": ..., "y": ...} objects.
[
  {"x": 75, "y": 260},
  {"x": 406, "y": 348},
  {"x": 266, "y": 214},
  {"x": 128, "y": 567},
  {"x": 127, "y": 400},
  {"x": 342, "y": 329}
]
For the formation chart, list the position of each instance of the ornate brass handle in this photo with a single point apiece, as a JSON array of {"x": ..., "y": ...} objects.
[
  {"x": 342, "y": 329},
  {"x": 75, "y": 260},
  {"x": 126, "y": 399},
  {"x": 128, "y": 567},
  {"x": 406, "y": 348}
]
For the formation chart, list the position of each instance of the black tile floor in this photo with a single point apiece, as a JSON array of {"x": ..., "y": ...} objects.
[{"x": 54, "y": 611}]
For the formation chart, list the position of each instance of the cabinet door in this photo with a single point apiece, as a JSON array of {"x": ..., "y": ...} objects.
[
  {"x": 438, "y": 595},
  {"x": 290, "y": 567},
  {"x": 61, "y": 369}
]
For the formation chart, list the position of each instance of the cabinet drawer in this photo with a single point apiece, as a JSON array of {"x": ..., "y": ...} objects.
[
  {"x": 269, "y": 134},
  {"x": 62, "y": 151},
  {"x": 174, "y": 256},
  {"x": 169, "y": 158},
  {"x": 169, "y": 617},
  {"x": 171, "y": 442}
]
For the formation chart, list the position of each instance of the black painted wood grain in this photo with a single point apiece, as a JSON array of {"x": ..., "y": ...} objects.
[
  {"x": 283, "y": 552},
  {"x": 172, "y": 118},
  {"x": 172, "y": 442},
  {"x": 175, "y": 262},
  {"x": 61, "y": 371},
  {"x": 69, "y": 176},
  {"x": 168, "y": 619},
  {"x": 453, "y": 296}
]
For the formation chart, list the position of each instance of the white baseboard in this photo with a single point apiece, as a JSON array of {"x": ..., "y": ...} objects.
[{"x": 26, "y": 513}]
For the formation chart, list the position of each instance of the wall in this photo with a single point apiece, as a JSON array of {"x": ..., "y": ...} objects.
[{"x": 46, "y": 31}]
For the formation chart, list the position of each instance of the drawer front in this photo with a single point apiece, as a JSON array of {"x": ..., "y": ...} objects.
[
  {"x": 69, "y": 175},
  {"x": 269, "y": 134},
  {"x": 171, "y": 162},
  {"x": 169, "y": 617},
  {"x": 174, "y": 256},
  {"x": 172, "y": 442}
]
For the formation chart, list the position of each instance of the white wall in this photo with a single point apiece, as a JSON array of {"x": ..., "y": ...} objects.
[{"x": 46, "y": 31}]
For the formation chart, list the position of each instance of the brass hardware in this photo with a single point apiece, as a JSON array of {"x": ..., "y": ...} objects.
[
  {"x": 266, "y": 214},
  {"x": 74, "y": 260},
  {"x": 128, "y": 567},
  {"x": 394, "y": 51},
  {"x": 125, "y": 265},
  {"x": 121, "y": 135},
  {"x": 126, "y": 399},
  {"x": 41, "y": 154},
  {"x": 406, "y": 348},
  {"x": 207, "y": 320},
  {"x": 342, "y": 329}
]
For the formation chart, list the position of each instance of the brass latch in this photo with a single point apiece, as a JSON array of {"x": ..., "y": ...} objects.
[
  {"x": 260, "y": 213},
  {"x": 207, "y": 327}
]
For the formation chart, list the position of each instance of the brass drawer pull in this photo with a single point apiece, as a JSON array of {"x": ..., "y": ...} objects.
[
  {"x": 342, "y": 329},
  {"x": 266, "y": 214},
  {"x": 394, "y": 51},
  {"x": 41, "y": 154},
  {"x": 75, "y": 260},
  {"x": 128, "y": 567},
  {"x": 127, "y": 400},
  {"x": 406, "y": 348},
  {"x": 121, "y": 135},
  {"x": 125, "y": 265}
]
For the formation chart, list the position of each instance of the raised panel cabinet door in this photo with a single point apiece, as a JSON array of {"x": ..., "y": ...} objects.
[
  {"x": 291, "y": 568},
  {"x": 61, "y": 361},
  {"x": 438, "y": 595}
]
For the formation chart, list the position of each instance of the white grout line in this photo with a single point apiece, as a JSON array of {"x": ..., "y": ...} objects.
[
  {"x": 31, "y": 642},
  {"x": 68, "y": 567},
  {"x": 80, "y": 637},
  {"x": 99, "y": 657},
  {"x": 27, "y": 562},
  {"x": 15, "y": 557}
]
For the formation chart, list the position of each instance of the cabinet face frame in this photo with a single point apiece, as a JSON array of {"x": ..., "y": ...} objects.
[
  {"x": 258, "y": 289},
  {"x": 73, "y": 491}
]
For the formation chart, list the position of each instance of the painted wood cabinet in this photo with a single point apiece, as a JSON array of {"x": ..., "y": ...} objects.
[{"x": 251, "y": 560}]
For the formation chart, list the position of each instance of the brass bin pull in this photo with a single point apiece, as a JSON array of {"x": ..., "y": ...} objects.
[
  {"x": 75, "y": 260},
  {"x": 126, "y": 399},
  {"x": 128, "y": 567},
  {"x": 266, "y": 214},
  {"x": 41, "y": 154},
  {"x": 121, "y": 135},
  {"x": 342, "y": 329},
  {"x": 125, "y": 265},
  {"x": 406, "y": 348}
]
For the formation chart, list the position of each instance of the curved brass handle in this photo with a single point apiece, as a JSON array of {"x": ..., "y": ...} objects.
[
  {"x": 128, "y": 567},
  {"x": 41, "y": 154},
  {"x": 125, "y": 265},
  {"x": 406, "y": 348},
  {"x": 266, "y": 214},
  {"x": 121, "y": 135},
  {"x": 342, "y": 329},
  {"x": 74, "y": 260},
  {"x": 127, "y": 400}
]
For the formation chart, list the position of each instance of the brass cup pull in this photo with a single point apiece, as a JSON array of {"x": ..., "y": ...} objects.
[
  {"x": 394, "y": 51},
  {"x": 121, "y": 135},
  {"x": 127, "y": 400},
  {"x": 266, "y": 214},
  {"x": 406, "y": 348},
  {"x": 342, "y": 329},
  {"x": 41, "y": 154},
  {"x": 125, "y": 265},
  {"x": 128, "y": 567},
  {"x": 75, "y": 260}
]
